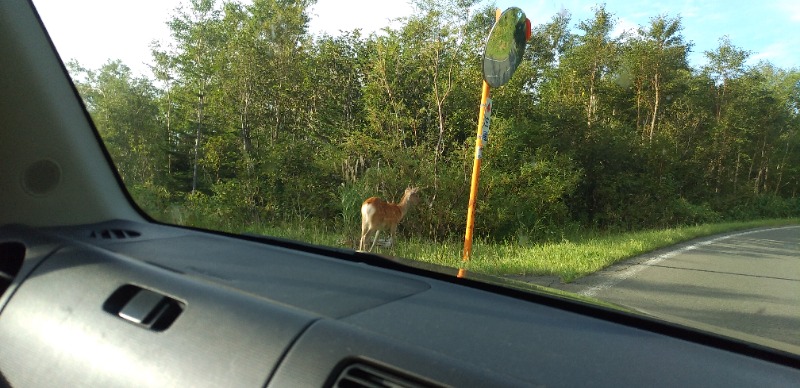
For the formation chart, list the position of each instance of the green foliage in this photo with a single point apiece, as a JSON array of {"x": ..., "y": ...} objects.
[
  {"x": 528, "y": 198},
  {"x": 765, "y": 206},
  {"x": 124, "y": 110},
  {"x": 156, "y": 200},
  {"x": 682, "y": 212},
  {"x": 251, "y": 123}
]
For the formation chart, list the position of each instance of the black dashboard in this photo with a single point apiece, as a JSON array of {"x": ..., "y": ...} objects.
[
  {"x": 89, "y": 302},
  {"x": 137, "y": 304}
]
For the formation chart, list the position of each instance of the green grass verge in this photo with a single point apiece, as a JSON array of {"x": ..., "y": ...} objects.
[
  {"x": 569, "y": 259},
  {"x": 584, "y": 255}
]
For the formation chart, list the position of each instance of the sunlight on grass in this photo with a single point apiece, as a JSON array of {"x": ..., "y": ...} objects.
[
  {"x": 573, "y": 259},
  {"x": 568, "y": 260}
]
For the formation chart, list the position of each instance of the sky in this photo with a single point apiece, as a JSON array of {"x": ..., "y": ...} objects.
[{"x": 96, "y": 31}]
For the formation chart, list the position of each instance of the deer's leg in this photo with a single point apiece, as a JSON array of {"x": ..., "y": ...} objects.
[
  {"x": 392, "y": 231},
  {"x": 374, "y": 240},
  {"x": 391, "y": 239},
  {"x": 364, "y": 232}
]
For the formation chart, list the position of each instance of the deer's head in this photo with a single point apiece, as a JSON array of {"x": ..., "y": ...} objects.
[{"x": 411, "y": 195}]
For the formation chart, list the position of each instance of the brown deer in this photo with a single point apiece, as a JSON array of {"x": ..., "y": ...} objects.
[{"x": 377, "y": 215}]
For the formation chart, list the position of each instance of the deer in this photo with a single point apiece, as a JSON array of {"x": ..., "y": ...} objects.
[{"x": 377, "y": 215}]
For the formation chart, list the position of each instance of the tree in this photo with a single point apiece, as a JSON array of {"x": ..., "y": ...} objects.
[
  {"x": 592, "y": 59},
  {"x": 726, "y": 65},
  {"x": 124, "y": 110},
  {"x": 250, "y": 119},
  {"x": 654, "y": 57},
  {"x": 195, "y": 32}
]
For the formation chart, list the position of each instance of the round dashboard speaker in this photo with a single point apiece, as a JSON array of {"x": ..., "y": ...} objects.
[{"x": 41, "y": 177}]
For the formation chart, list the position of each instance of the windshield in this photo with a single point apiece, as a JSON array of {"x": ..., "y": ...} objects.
[{"x": 643, "y": 154}]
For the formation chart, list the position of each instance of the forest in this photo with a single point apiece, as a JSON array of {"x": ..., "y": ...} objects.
[{"x": 249, "y": 119}]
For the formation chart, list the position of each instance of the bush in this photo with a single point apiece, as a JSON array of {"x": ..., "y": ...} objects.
[
  {"x": 153, "y": 199},
  {"x": 765, "y": 206},
  {"x": 529, "y": 201},
  {"x": 685, "y": 213}
]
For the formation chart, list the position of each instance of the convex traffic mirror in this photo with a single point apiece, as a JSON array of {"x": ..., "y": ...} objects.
[{"x": 505, "y": 46}]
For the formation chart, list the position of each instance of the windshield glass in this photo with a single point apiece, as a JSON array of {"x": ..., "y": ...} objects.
[{"x": 643, "y": 154}]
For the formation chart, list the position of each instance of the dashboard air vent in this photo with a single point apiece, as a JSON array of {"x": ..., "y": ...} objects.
[
  {"x": 113, "y": 234},
  {"x": 361, "y": 375}
]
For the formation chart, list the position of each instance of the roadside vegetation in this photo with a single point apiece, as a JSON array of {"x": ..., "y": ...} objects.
[
  {"x": 249, "y": 120},
  {"x": 580, "y": 254},
  {"x": 584, "y": 255}
]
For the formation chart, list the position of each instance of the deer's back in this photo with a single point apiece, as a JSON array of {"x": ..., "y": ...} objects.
[{"x": 381, "y": 214}]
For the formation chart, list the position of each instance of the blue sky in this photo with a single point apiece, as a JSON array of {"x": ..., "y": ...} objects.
[
  {"x": 93, "y": 31},
  {"x": 769, "y": 29}
]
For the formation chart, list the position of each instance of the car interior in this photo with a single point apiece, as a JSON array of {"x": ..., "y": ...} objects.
[{"x": 94, "y": 292}]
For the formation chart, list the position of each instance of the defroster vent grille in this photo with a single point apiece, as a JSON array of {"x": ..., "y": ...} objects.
[{"x": 360, "y": 375}]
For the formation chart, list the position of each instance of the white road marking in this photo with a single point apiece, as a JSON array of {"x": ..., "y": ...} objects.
[{"x": 636, "y": 268}]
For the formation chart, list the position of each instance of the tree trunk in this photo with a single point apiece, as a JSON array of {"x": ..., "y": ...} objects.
[
  {"x": 200, "y": 103},
  {"x": 592, "y": 102},
  {"x": 657, "y": 97},
  {"x": 639, "y": 91},
  {"x": 781, "y": 166},
  {"x": 169, "y": 130}
]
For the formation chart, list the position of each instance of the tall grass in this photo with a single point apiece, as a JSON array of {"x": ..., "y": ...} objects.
[
  {"x": 571, "y": 259},
  {"x": 574, "y": 257}
]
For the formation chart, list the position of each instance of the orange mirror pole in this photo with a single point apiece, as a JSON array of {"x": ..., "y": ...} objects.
[{"x": 484, "y": 117}]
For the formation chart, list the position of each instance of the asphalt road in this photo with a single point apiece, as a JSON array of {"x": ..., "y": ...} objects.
[{"x": 748, "y": 282}]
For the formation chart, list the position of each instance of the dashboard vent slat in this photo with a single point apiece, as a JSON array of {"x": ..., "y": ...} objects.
[
  {"x": 361, "y": 375},
  {"x": 113, "y": 234}
]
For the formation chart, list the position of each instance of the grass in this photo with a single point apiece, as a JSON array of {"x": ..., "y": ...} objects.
[{"x": 569, "y": 259}]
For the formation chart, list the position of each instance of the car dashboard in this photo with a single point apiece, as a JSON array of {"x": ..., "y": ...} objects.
[
  {"x": 140, "y": 304},
  {"x": 93, "y": 292}
]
